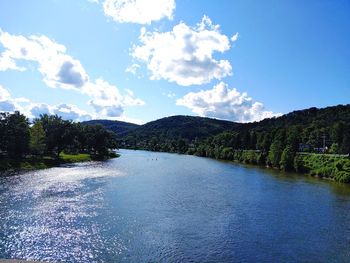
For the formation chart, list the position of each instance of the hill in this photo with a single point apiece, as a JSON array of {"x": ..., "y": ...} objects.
[
  {"x": 311, "y": 126},
  {"x": 171, "y": 129},
  {"x": 118, "y": 127}
]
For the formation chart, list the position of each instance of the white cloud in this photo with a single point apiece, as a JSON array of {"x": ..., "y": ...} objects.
[
  {"x": 66, "y": 111},
  {"x": 33, "y": 110},
  {"x": 6, "y": 102},
  {"x": 7, "y": 63},
  {"x": 185, "y": 54},
  {"x": 107, "y": 99},
  {"x": 60, "y": 70},
  {"x": 57, "y": 68},
  {"x": 235, "y": 37},
  {"x": 132, "y": 68},
  {"x": 138, "y": 11},
  {"x": 224, "y": 103}
]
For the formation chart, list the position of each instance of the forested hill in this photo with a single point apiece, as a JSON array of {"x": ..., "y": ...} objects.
[
  {"x": 171, "y": 128},
  {"x": 118, "y": 127},
  {"x": 324, "y": 117},
  {"x": 311, "y": 126}
]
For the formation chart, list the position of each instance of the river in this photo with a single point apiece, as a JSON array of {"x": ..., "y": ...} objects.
[{"x": 152, "y": 207}]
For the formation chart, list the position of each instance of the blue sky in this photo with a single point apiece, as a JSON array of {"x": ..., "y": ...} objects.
[{"x": 143, "y": 60}]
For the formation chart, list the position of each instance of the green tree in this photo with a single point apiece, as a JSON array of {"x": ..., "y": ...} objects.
[
  {"x": 345, "y": 145},
  {"x": 287, "y": 158},
  {"x": 276, "y": 148},
  {"x": 293, "y": 138},
  {"x": 16, "y": 135},
  {"x": 57, "y": 133},
  {"x": 100, "y": 140},
  {"x": 37, "y": 139}
]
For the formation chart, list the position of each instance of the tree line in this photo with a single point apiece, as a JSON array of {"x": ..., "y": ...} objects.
[
  {"x": 278, "y": 147},
  {"x": 49, "y": 135}
]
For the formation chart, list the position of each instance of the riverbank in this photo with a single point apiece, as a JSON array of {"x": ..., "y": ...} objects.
[
  {"x": 37, "y": 163},
  {"x": 327, "y": 166}
]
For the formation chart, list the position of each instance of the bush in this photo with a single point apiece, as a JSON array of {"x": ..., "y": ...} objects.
[{"x": 329, "y": 166}]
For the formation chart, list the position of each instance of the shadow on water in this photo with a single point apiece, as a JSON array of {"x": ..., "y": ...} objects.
[{"x": 336, "y": 187}]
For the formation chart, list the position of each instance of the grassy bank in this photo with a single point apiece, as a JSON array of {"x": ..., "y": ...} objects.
[
  {"x": 335, "y": 167},
  {"x": 36, "y": 163},
  {"x": 322, "y": 165}
]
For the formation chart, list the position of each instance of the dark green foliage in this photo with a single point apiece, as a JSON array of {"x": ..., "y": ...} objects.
[
  {"x": 174, "y": 133},
  {"x": 43, "y": 144},
  {"x": 287, "y": 158},
  {"x": 37, "y": 139},
  {"x": 57, "y": 133},
  {"x": 276, "y": 149},
  {"x": 99, "y": 140},
  {"x": 323, "y": 165},
  {"x": 118, "y": 127},
  {"x": 274, "y": 141},
  {"x": 15, "y": 134}
]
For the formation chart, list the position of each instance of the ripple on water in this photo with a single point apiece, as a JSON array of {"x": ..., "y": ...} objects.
[{"x": 51, "y": 213}]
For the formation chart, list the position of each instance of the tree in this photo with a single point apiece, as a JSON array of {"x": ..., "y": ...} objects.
[
  {"x": 276, "y": 148},
  {"x": 345, "y": 145},
  {"x": 57, "y": 133},
  {"x": 293, "y": 138},
  {"x": 37, "y": 139},
  {"x": 275, "y": 153},
  {"x": 16, "y": 135},
  {"x": 100, "y": 140},
  {"x": 287, "y": 158}
]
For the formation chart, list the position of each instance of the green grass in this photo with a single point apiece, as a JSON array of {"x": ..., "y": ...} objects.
[
  {"x": 36, "y": 163},
  {"x": 74, "y": 158}
]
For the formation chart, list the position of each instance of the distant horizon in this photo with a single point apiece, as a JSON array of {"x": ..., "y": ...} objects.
[{"x": 126, "y": 61}]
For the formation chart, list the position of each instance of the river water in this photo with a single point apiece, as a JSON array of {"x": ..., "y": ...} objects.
[{"x": 153, "y": 207}]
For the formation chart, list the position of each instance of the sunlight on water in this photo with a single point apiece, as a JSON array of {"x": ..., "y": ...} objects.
[
  {"x": 146, "y": 206},
  {"x": 51, "y": 211}
]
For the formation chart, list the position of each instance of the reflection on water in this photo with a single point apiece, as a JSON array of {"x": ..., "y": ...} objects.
[{"x": 155, "y": 206}]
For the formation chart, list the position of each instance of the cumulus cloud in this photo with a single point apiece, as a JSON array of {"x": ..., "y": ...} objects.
[
  {"x": 60, "y": 70},
  {"x": 138, "y": 11},
  {"x": 185, "y": 54},
  {"x": 107, "y": 99},
  {"x": 66, "y": 111},
  {"x": 57, "y": 68},
  {"x": 6, "y": 103},
  {"x": 224, "y": 103},
  {"x": 34, "y": 110}
]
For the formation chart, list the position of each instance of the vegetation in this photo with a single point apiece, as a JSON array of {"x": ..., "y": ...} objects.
[
  {"x": 295, "y": 141},
  {"x": 50, "y": 140},
  {"x": 174, "y": 134},
  {"x": 118, "y": 127}
]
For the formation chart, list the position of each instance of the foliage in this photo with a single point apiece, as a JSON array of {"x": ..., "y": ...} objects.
[
  {"x": 73, "y": 158},
  {"x": 37, "y": 139},
  {"x": 118, "y": 127},
  {"x": 330, "y": 166},
  {"x": 287, "y": 158},
  {"x": 274, "y": 142},
  {"x": 50, "y": 140},
  {"x": 15, "y": 134}
]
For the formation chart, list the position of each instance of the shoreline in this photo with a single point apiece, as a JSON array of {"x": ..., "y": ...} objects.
[
  {"x": 9, "y": 167},
  {"x": 325, "y": 171}
]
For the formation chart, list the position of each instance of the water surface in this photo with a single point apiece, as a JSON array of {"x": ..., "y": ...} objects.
[{"x": 155, "y": 207}]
